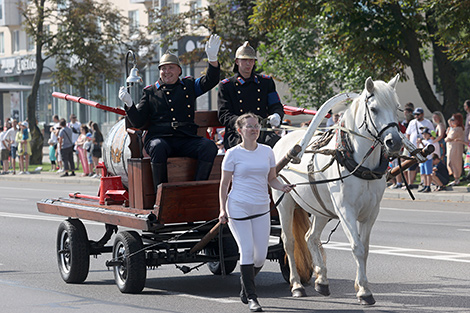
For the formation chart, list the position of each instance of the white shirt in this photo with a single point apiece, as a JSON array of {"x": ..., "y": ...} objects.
[
  {"x": 75, "y": 126},
  {"x": 11, "y": 136},
  {"x": 250, "y": 173},
  {"x": 414, "y": 130},
  {"x": 2, "y": 137}
]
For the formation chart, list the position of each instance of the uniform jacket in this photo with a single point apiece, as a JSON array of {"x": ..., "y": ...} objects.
[
  {"x": 238, "y": 96},
  {"x": 168, "y": 110}
]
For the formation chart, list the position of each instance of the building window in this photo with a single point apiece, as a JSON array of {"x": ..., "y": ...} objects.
[
  {"x": 30, "y": 44},
  {"x": 133, "y": 22},
  {"x": 1, "y": 10},
  {"x": 176, "y": 8},
  {"x": 2, "y": 43},
  {"x": 196, "y": 7},
  {"x": 16, "y": 41}
]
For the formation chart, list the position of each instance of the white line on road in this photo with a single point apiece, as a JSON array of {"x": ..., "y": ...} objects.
[
  {"x": 41, "y": 217},
  {"x": 407, "y": 252},
  {"x": 425, "y": 211}
]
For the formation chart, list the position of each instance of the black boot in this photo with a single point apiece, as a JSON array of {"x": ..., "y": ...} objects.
[
  {"x": 203, "y": 170},
  {"x": 159, "y": 174},
  {"x": 248, "y": 278},
  {"x": 243, "y": 296}
]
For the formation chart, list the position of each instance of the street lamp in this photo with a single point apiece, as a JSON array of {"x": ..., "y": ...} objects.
[{"x": 133, "y": 76}]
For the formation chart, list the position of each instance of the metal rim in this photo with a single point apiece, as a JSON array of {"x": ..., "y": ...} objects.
[
  {"x": 120, "y": 271},
  {"x": 64, "y": 252}
]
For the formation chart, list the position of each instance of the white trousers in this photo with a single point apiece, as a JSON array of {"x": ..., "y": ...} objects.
[{"x": 252, "y": 235}]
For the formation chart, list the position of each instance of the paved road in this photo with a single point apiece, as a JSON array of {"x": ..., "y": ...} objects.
[{"x": 419, "y": 262}]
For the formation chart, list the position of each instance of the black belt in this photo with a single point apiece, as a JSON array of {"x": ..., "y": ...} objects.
[{"x": 174, "y": 124}]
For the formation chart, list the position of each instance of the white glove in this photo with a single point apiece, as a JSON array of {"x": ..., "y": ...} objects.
[
  {"x": 125, "y": 96},
  {"x": 212, "y": 48},
  {"x": 274, "y": 120}
]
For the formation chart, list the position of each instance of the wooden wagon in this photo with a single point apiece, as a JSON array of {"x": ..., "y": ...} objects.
[{"x": 177, "y": 225}]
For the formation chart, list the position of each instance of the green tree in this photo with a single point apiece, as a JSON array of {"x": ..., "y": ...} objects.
[
  {"x": 228, "y": 19},
  {"x": 381, "y": 37},
  {"x": 88, "y": 47}
]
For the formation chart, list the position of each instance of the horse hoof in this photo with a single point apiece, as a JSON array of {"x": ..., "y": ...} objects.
[
  {"x": 368, "y": 300},
  {"x": 298, "y": 293},
  {"x": 323, "y": 289}
]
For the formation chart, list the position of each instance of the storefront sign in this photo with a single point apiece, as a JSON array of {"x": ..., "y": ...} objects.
[{"x": 16, "y": 66}]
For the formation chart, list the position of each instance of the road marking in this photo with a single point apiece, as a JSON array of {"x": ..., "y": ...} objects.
[
  {"x": 407, "y": 252},
  {"x": 15, "y": 199},
  {"x": 425, "y": 211},
  {"x": 42, "y": 217},
  {"x": 225, "y": 301}
]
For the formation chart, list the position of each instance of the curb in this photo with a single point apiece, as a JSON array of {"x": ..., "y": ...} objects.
[{"x": 51, "y": 178}]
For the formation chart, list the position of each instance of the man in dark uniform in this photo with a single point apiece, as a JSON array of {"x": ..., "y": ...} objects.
[
  {"x": 247, "y": 92},
  {"x": 167, "y": 110}
]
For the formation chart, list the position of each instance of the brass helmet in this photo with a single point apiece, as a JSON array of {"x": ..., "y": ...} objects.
[
  {"x": 245, "y": 51},
  {"x": 169, "y": 58}
]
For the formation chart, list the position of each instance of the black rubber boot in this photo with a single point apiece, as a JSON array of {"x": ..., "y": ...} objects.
[
  {"x": 159, "y": 174},
  {"x": 243, "y": 296},
  {"x": 203, "y": 170},
  {"x": 248, "y": 278}
]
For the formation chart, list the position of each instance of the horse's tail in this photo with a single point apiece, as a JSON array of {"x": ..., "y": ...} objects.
[{"x": 302, "y": 255}]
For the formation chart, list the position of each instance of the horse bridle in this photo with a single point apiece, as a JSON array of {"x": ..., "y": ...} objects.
[{"x": 367, "y": 116}]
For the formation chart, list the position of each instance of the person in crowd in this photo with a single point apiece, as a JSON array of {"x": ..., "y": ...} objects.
[
  {"x": 413, "y": 132},
  {"x": 4, "y": 148},
  {"x": 246, "y": 92},
  {"x": 13, "y": 144},
  {"x": 426, "y": 167},
  {"x": 74, "y": 125},
  {"x": 455, "y": 142},
  {"x": 466, "y": 106},
  {"x": 80, "y": 148},
  {"x": 24, "y": 147},
  {"x": 66, "y": 148},
  {"x": 52, "y": 154},
  {"x": 54, "y": 129},
  {"x": 168, "y": 108},
  {"x": 249, "y": 167},
  {"x": 220, "y": 147},
  {"x": 440, "y": 174},
  {"x": 96, "y": 151},
  {"x": 88, "y": 146},
  {"x": 408, "y": 114},
  {"x": 440, "y": 130}
]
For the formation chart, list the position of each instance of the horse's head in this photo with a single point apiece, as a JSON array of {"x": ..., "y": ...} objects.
[{"x": 376, "y": 113}]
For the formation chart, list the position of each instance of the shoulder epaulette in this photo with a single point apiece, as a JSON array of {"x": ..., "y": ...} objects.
[
  {"x": 224, "y": 81},
  {"x": 265, "y": 76},
  {"x": 147, "y": 87},
  {"x": 189, "y": 76}
]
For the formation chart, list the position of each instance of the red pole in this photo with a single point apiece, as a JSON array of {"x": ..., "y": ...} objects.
[
  {"x": 297, "y": 111},
  {"x": 89, "y": 103}
]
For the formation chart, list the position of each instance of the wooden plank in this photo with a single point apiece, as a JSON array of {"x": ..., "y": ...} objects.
[
  {"x": 184, "y": 169},
  {"x": 187, "y": 201}
]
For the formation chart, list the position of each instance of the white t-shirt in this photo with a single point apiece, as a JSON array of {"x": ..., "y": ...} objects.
[
  {"x": 2, "y": 137},
  {"x": 11, "y": 136},
  {"x": 250, "y": 173},
  {"x": 414, "y": 130},
  {"x": 75, "y": 130}
]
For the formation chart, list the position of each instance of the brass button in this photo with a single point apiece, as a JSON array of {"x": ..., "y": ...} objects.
[
  {"x": 189, "y": 106},
  {"x": 241, "y": 100},
  {"x": 169, "y": 100},
  {"x": 174, "y": 119},
  {"x": 241, "y": 110},
  {"x": 258, "y": 108},
  {"x": 184, "y": 88},
  {"x": 259, "y": 99},
  {"x": 239, "y": 92},
  {"x": 172, "y": 109},
  {"x": 187, "y": 96},
  {"x": 259, "y": 90},
  {"x": 189, "y": 115},
  {"x": 167, "y": 92},
  {"x": 236, "y": 84}
]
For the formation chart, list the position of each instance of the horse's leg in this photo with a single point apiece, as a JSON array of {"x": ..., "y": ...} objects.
[
  {"x": 318, "y": 254},
  {"x": 364, "y": 295},
  {"x": 360, "y": 252},
  {"x": 286, "y": 216}
]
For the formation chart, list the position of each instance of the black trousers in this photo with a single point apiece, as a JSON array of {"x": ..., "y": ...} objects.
[
  {"x": 160, "y": 149},
  {"x": 67, "y": 158}
]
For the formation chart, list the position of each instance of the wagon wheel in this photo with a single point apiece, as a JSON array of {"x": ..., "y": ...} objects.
[
  {"x": 130, "y": 275},
  {"x": 230, "y": 249},
  {"x": 283, "y": 264},
  {"x": 73, "y": 251}
]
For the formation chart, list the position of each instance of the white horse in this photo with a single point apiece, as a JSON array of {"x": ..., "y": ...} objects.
[{"x": 371, "y": 120}]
